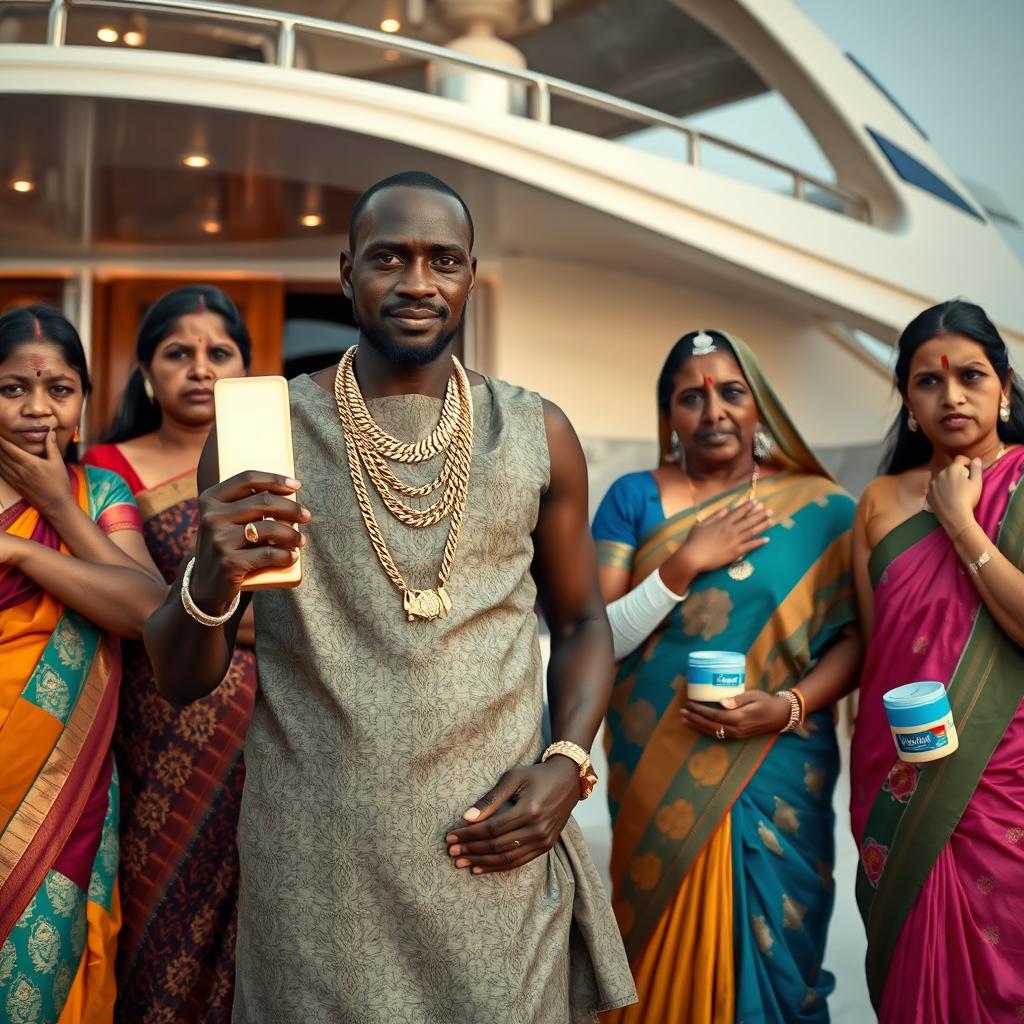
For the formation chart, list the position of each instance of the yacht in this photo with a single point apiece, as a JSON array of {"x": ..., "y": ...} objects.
[
  {"x": 149, "y": 143},
  {"x": 145, "y": 144}
]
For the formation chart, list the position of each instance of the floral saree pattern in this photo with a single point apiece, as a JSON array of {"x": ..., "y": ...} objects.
[
  {"x": 181, "y": 786},
  {"x": 722, "y": 851},
  {"x": 59, "y": 910}
]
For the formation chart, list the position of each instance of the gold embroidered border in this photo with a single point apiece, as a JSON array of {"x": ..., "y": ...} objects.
[
  {"x": 39, "y": 800},
  {"x": 161, "y": 498}
]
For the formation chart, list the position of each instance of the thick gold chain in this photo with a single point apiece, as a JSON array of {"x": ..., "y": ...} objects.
[{"x": 370, "y": 448}]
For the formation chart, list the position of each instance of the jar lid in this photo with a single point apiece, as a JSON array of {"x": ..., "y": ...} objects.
[
  {"x": 718, "y": 661},
  {"x": 914, "y": 695}
]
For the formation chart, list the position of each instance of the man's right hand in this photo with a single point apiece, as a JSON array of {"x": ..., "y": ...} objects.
[{"x": 224, "y": 556}]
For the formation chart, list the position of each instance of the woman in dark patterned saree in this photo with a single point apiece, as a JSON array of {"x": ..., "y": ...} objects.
[{"x": 181, "y": 769}]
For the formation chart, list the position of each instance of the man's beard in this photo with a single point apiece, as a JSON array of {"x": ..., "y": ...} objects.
[{"x": 404, "y": 356}]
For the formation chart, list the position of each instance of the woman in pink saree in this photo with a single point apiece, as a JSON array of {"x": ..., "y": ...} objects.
[{"x": 938, "y": 550}]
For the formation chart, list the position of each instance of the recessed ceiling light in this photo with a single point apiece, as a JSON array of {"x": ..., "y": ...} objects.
[
  {"x": 22, "y": 185},
  {"x": 312, "y": 220},
  {"x": 390, "y": 25},
  {"x": 106, "y": 34},
  {"x": 211, "y": 226},
  {"x": 134, "y": 38},
  {"x": 391, "y": 55},
  {"x": 195, "y": 160}
]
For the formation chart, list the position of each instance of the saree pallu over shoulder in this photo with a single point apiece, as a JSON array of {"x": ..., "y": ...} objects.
[
  {"x": 671, "y": 787},
  {"x": 913, "y": 817}
]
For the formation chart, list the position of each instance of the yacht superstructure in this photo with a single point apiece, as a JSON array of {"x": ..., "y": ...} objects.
[{"x": 228, "y": 142}]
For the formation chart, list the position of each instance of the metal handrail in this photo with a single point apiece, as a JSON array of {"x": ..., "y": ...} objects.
[{"x": 541, "y": 87}]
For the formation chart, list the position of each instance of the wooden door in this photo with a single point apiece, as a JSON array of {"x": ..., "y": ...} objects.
[
  {"x": 24, "y": 291},
  {"x": 121, "y": 303}
]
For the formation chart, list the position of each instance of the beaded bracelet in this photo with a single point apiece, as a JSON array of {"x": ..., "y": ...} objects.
[{"x": 195, "y": 611}]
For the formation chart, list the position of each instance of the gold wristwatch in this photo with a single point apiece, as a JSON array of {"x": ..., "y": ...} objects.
[{"x": 575, "y": 753}]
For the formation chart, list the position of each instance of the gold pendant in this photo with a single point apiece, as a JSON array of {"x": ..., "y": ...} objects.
[
  {"x": 426, "y": 604},
  {"x": 740, "y": 570}
]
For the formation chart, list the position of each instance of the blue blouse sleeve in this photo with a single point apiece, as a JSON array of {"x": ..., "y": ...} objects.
[
  {"x": 111, "y": 501},
  {"x": 617, "y": 525}
]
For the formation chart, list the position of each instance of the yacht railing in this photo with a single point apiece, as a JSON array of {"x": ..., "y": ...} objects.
[{"x": 540, "y": 88}]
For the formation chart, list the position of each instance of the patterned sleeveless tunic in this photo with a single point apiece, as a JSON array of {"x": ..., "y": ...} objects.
[{"x": 371, "y": 735}]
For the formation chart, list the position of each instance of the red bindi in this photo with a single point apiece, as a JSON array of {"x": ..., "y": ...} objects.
[
  {"x": 37, "y": 364},
  {"x": 708, "y": 382},
  {"x": 945, "y": 362}
]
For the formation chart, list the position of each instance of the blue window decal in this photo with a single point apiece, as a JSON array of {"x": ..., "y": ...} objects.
[
  {"x": 888, "y": 95},
  {"x": 912, "y": 171}
]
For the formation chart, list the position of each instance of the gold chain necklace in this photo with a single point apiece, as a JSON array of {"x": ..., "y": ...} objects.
[
  {"x": 741, "y": 569},
  {"x": 370, "y": 448}
]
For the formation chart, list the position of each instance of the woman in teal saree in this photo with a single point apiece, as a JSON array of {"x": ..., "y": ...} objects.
[{"x": 722, "y": 821}]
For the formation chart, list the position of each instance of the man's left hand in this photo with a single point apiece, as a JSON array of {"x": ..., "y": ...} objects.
[{"x": 541, "y": 798}]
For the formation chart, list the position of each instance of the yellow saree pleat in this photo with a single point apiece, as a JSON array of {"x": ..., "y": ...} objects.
[{"x": 685, "y": 975}]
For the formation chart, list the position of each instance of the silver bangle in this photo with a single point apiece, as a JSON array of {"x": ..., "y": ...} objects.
[
  {"x": 983, "y": 559},
  {"x": 195, "y": 611}
]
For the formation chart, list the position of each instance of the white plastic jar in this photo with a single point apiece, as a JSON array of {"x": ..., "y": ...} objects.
[
  {"x": 921, "y": 721},
  {"x": 714, "y": 675}
]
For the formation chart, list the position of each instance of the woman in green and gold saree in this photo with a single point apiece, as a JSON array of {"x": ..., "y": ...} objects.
[
  {"x": 722, "y": 815},
  {"x": 74, "y": 574}
]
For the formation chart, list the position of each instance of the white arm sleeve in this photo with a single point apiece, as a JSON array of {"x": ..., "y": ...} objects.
[{"x": 636, "y": 615}]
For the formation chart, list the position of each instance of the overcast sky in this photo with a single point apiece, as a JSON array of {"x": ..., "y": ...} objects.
[{"x": 955, "y": 66}]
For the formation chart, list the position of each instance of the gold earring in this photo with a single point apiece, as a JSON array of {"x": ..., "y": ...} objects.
[
  {"x": 911, "y": 421},
  {"x": 148, "y": 388},
  {"x": 75, "y": 437},
  {"x": 1004, "y": 409}
]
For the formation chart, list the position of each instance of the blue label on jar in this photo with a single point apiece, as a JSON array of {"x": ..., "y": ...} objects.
[
  {"x": 727, "y": 679},
  {"x": 922, "y": 742}
]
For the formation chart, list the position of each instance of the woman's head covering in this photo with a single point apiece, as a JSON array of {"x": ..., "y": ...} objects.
[{"x": 791, "y": 450}]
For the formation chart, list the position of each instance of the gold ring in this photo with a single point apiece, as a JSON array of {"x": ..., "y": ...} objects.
[
  {"x": 719, "y": 733},
  {"x": 252, "y": 535},
  {"x": 515, "y": 842}
]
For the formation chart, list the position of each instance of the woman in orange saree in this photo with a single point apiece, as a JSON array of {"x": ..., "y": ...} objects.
[{"x": 74, "y": 573}]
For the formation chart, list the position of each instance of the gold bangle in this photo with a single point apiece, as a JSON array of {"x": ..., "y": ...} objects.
[
  {"x": 794, "y": 710},
  {"x": 581, "y": 758},
  {"x": 803, "y": 704}
]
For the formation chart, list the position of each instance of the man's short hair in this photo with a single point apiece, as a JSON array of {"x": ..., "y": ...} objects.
[{"x": 406, "y": 179}]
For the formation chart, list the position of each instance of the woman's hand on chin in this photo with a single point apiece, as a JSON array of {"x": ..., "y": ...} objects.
[
  {"x": 954, "y": 493},
  {"x": 42, "y": 480}
]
